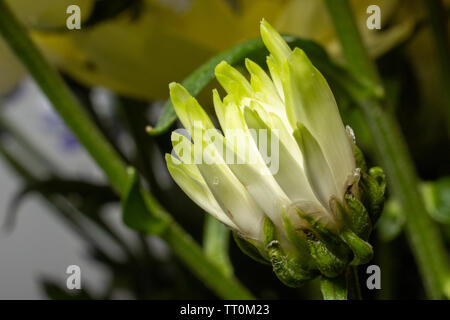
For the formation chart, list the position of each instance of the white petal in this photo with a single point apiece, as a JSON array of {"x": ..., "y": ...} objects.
[
  {"x": 317, "y": 168},
  {"x": 290, "y": 176},
  {"x": 309, "y": 100},
  {"x": 192, "y": 183}
]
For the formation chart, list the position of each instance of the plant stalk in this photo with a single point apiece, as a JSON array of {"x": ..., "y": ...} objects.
[{"x": 424, "y": 238}]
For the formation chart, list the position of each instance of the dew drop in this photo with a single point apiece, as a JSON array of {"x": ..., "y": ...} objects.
[{"x": 215, "y": 181}]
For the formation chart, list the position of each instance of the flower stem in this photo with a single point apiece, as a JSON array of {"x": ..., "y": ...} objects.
[
  {"x": 353, "y": 287},
  {"x": 424, "y": 237},
  {"x": 107, "y": 158},
  {"x": 334, "y": 288},
  {"x": 344, "y": 287}
]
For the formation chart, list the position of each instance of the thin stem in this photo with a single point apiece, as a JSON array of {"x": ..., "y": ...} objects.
[
  {"x": 424, "y": 237},
  {"x": 358, "y": 59},
  {"x": 107, "y": 158},
  {"x": 353, "y": 287},
  {"x": 216, "y": 239}
]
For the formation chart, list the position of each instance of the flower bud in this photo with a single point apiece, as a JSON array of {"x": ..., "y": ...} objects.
[{"x": 284, "y": 173}]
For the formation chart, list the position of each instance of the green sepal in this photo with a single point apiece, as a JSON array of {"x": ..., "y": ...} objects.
[
  {"x": 287, "y": 267},
  {"x": 249, "y": 249},
  {"x": 296, "y": 237},
  {"x": 360, "y": 160},
  {"x": 330, "y": 263},
  {"x": 373, "y": 187},
  {"x": 323, "y": 232},
  {"x": 362, "y": 250},
  {"x": 135, "y": 213},
  {"x": 358, "y": 217},
  {"x": 328, "y": 251}
]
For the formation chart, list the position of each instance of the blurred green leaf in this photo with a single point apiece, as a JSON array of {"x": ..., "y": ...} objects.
[
  {"x": 436, "y": 195},
  {"x": 392, "y": 221},
  {"x": 437, "y": 199},
  {"x": 134, "y": 208}
]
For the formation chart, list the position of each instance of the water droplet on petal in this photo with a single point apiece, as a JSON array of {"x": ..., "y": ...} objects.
[{"x": 215, "y": 181}]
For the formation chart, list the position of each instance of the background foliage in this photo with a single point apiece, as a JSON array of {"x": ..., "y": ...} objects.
[{"x": 134, "y": 48}]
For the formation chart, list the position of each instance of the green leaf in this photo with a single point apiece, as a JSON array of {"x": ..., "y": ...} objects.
[
  {"x": 436, "y": 195},
  {"x": 135, "y": 213},
  {"x": 392, "y": 221},
  {"x": 252, "y": 49}
]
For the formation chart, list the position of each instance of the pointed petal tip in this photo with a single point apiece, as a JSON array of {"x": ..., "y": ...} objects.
[
  {"x": 168, "y": 157},
  {"x": 171, "y": 162},
  {"x": 216, "y": 96},
  {"x": 174, "y": 87},
  {"x": 274, "y": 41},
  {"x": 298, "y": 58},
  {"x": 172, "y": 84},
  {"x": 250, "y": 64},
  {"x": 264, "y": 25},
  {"x": 220, "y": 67},
  {"x": 175, "y": 136}
]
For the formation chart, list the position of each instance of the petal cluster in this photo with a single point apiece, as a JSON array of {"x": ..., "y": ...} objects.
[{"x": 295, "y": 105}]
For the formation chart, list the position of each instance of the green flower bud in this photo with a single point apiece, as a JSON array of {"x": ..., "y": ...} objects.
[{"x": 284, "y": 174}]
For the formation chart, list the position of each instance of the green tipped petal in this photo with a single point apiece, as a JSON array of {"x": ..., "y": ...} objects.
[
  {"x": 182, "y": 147},
  {"x": 231, "y": 195},
  {"x": 290, "y": 175},
  {"x": 274, "y": 42},
  {"x": 275, "y": 73},
  {"x": 229, "y": 115},
  {"x": 265, "y": 90},
  {"x": 316, "y": 166},
  {"x": 234, "y": 83},
  {"x": 188, "y": 109},
  {"x": 310, "y": 100},
  {"x": 189, "y": 179}
]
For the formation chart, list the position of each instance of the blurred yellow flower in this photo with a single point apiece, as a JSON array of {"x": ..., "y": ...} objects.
[{"x": 138, "y": 55}]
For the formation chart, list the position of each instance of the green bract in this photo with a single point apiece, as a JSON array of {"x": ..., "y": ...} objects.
[{"x": 298, "y": 196}]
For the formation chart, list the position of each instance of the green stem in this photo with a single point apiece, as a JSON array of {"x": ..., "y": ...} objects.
[
  {"x": 107, "y": 158},
  {"x": 334, "y": 288},
  {"x": 438, "y": 23},
  {"x": 353, "y": 287},
  {"x": 358, "y": 60},
  {"x": 216, "y": 240},
  {"x": 344, "y": 287},
  {"x": 425, "y": 240}
]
